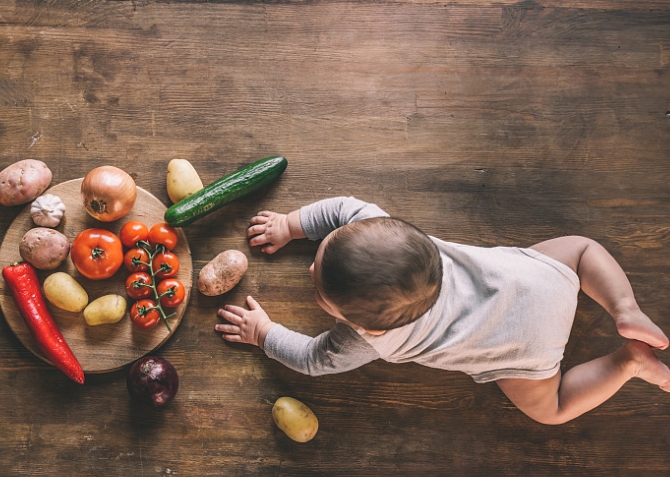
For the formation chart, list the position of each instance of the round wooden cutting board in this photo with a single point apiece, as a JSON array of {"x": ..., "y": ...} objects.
[{"x": 101, "y": 348}]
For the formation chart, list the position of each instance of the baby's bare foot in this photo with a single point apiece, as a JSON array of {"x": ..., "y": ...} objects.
[
  {"x": 647, "y": 365},
  {"x": 638, "y": 326}
]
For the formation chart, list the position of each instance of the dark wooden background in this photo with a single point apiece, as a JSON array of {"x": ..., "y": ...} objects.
[{"x": 490, "y": 123}]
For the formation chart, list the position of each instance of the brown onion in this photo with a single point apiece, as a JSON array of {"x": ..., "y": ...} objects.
[{"x": 108, "y": 193}]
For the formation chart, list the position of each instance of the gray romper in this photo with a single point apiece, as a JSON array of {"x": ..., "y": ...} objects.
[{"x": 503, "y": 312}]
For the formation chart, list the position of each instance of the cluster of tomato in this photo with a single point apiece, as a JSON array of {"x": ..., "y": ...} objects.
[
  {"x": 153, "y": 266},
  {"x": 98, "y": 254}
]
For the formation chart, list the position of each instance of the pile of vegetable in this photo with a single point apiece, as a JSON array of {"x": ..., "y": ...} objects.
[{"x": 152, "y": 290}]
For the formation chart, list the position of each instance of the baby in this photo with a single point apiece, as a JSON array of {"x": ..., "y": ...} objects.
[{"x": 499, "y": 314}]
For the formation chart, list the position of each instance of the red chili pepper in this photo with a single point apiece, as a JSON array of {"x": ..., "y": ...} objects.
[{"x": 25, "y": 286}]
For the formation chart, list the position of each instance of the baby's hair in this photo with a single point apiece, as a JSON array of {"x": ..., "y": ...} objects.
[{"x": 381, "y": 273}]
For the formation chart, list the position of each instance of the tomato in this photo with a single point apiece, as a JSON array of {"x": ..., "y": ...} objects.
[
  {"x": 163, "y": 234},
  {"x": 136, "y": 260},
  {"x": 165, "y": 265},
  {"x": 132, "y": 232},
  {"x": 97, "y": 253},
  {"x": 138, "y": 285},
  {"x": 171, "y": 292},
  {"x": 144, "y": 314}
]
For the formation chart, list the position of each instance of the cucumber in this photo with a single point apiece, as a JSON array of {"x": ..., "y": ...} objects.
[{"x": 222, "y": 191}]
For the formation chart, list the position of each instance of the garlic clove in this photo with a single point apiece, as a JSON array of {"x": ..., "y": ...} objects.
[{"x": 47, "y": 210}]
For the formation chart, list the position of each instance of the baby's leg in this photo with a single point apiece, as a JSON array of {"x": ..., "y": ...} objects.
[
  {"x": 602, "y": 279},
  {"x": 635, "y": 325},
  {"x": 559, "y": 399}
]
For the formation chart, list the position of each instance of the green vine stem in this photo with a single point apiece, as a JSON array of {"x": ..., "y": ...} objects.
[{"x": 152, "y": 253}]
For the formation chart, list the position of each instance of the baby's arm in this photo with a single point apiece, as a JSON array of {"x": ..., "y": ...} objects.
[
  {"x": 322, "y": 217},
  {"x": 245, "y": 326},
  {"x": 273, "y": 230},
  {"x": 336, "y": 351}
]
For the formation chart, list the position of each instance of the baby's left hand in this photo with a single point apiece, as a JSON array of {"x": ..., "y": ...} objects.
[{"x": 246, "y": 326}]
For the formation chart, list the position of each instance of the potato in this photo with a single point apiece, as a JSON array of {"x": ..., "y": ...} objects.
[
  {"x": 182, "y": 180},
  {"x": 65, "y": 292},
  {"x": 23, "y": 182},
  {"x": 222, "y": 273},
  {"x": 44, "y": 248},
  {"x": 105, "y": 310},
  {"x": 294, "y": 418}
]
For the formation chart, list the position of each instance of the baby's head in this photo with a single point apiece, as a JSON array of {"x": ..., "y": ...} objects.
[{"x": 379, "y": 273}]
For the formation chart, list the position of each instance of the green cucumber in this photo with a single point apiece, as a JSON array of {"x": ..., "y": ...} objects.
[{"x": 222, "y": 191}]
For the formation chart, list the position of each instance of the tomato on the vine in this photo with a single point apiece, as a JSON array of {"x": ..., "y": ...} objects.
[
  {"x": 138, "y": 285},
  {"x": 163, "y": 234},
  {"x": 165, "y": 265},
  {"x": 144, "y": 314},
  {"x": 97, "y": 253},
  {"x": 171, "y": 292},
  {"x": 136, "y": 260},
  {"x": 133, "y": 232}
]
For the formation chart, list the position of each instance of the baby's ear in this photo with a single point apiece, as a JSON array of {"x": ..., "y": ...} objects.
[{"x": 375, "y": 332}]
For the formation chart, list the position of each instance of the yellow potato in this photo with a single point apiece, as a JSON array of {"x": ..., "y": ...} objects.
[
  {"x": 105, "y": 310},
  {"x": 182, "y": 180},
  {"x": 294, "y": 418},
  {"x": 65, "y": 292}
]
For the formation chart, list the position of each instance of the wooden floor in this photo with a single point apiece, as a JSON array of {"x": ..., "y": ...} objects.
[{"x": 488, "y": 123}]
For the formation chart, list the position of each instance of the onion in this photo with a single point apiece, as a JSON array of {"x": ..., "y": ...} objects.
[
  {"x": 108, "y": 193},
  {"x": 152, "y": 381}
]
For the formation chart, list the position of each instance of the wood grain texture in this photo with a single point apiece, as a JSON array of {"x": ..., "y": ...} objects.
[{"x": 488, "y": 123}]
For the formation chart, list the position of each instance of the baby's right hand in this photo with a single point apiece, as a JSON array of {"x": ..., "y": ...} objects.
[
  {"x": 245, "y": 326},
  {"x": 270, "y": 230}
]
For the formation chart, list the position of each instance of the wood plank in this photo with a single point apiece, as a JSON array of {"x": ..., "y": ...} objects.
[{"x": 489, "y": 123}]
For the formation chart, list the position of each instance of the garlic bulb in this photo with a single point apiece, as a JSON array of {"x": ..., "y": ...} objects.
[{"x": 47, "y": 210}]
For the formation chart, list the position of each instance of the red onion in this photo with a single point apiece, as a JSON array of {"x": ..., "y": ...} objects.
[{"x": 152, "y": 381}]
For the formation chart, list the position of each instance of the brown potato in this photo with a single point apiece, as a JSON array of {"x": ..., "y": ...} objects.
[
  {"x": 222, "y": 273},
  {"x": 44, "y": 248},
  {"x": 23, "y": 182}
]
